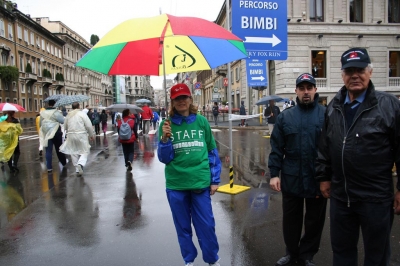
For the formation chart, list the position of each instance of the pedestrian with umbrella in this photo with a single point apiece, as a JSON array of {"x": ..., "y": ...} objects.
[
  {"x": 10, "y": 130},
  {"x": 271, "y": 113},
  {"x": 50, "y": 134},
  {"x": 192, "y": 174},
  {"x": 103, "y": 119}
]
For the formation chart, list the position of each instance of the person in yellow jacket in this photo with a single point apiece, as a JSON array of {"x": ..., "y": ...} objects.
[
  {"x": 38, "y": 130},
  {"x": 10, "y": 129}
]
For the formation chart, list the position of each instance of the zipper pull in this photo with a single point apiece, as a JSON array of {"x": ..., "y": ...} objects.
[
  {"x": 344, "y": 140},
  {"x": 348, "y": 203}
]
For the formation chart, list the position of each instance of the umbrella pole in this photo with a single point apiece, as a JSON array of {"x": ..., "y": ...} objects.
[
  {"x": 229, "y": 188},
  {"x": 165, "y": 80}
]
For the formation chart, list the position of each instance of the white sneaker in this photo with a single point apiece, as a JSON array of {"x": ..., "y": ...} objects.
[
  {"x": 215, "y": 263},
  {"x": 189, "y": 264},
  {"x": 80, "y": 169}
]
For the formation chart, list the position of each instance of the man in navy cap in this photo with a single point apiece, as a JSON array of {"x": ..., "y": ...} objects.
[
  {"x": 293, "y": 153},
  {"x": 358, "y": 146}
]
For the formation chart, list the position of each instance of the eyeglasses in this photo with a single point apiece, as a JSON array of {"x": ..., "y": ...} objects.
[
  {"x": 354, "y": 70},
  {"x": 181, "y": 98}
]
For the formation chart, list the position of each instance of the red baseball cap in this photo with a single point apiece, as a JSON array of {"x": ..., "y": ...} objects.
[{"x": 179, "y": 90}]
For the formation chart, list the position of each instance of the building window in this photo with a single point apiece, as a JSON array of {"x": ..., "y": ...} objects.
[
  {"x": 21, "y": 63},
  {"x": 7, "y": 100},
  {"x": 318, "y": 64},
  {"x": 28, "y": 88},
  {"x": 19, "y": 32},
  {"x": 4, "y": 58},
  {"x": 394, "y": 67},
  {"x": 14, "y": 86},
  {"x": 15, "y": 101},
  {"x": 10, "y": 32},
  {"x": 26, "y": 36},
  {"x": 40, "y": 103},
  {"x": 356, "y": 10},
  {"x": 37, "y": 42},
  {"x": 40, "y": 90},
  {"x": 237, "y": 73},
  {"x": 22, "y": 87},
  {"x": 232, "y": 78},
  {"x": 24, "y": 103},
  {"x": 2, "y": 29},
  {"x": 52, "y": 49},
  {"x": 48, "y": 47},
  {"x": 34, "y": 67},
  {"x": 35, "y": 89},
  {"x": 36, "y": 106},
  {"x": 317, "y": 10},
  {"x": 394, "y": 11},
  {"x": 30, "y": 104},
  {"x": 43, "y": 47},
  {"x": 32, "y": 39}
]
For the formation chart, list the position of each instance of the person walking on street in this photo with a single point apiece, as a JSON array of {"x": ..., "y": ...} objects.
[
  {"x": 79, "y": 129},
  {"x": 50, "y": 134},
  {"x": 163, "y": 113},
  {"x": 271, "y": 113},
  {"x": 96, "y": 121},
  {"x": 103, "y": 119},
  {"x": 10, "y": 130},
  {"x": 294, "y": 155},
  {"x": 147, "y": 115},
  {"x": 128, "y": 144},
  {"x": 155, "y": 120},
  {"x": 358, "y": 147},
  {"x": 242, "y": 111},
  {"x": 291, "y": 102},
  {"x": 215, "y": 112},
  {"x": 192, "y": 173},
  {"x": 37, "y": 121}
]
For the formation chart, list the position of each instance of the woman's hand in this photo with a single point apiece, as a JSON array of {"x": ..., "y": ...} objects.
[
  {"x": 166, "y": 128},
  {"x": 213, "y": 188}
]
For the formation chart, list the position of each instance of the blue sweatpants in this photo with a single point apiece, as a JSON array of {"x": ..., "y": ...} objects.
[{"x": 189, "y": 206}]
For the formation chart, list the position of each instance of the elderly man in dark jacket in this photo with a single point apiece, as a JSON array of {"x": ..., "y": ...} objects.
[
  {"x": 293, "y": 153},
  {"x": 359, "y": 144}
]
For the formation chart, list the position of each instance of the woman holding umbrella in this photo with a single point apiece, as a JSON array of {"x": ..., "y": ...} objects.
[
  {"x": 192, "y": 172},
  {"x": 10, "y": 129}
]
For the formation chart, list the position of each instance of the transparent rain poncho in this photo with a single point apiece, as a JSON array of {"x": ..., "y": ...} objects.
[
  {"x": 9, "y": 133},
  {"x": 77, "y": 125}
]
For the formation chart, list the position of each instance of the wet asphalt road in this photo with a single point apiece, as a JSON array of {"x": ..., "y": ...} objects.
[{"x": 111, "y": 217}]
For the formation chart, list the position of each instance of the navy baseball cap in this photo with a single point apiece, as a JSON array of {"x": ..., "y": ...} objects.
[
  {"x": 305, "y": 77},
  {"x": 355, "y": 57}
]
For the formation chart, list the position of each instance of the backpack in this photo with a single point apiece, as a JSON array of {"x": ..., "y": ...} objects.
[
  {"x": 95, "y": 118},
  {"x": 215, "y": 110},
  {"x": 125, "y": 130}
]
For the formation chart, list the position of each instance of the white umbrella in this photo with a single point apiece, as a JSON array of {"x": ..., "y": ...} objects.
[{"x": 67, "y": 100}]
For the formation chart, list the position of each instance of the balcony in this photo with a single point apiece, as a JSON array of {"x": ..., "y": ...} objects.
[
  {"x": 321, "y": 83},
  {"x": 30, "y": 77},
  {"x": 45, "y": 81},
  {"x": 222, "y": 70},
  {"x": 394, "y": 82}
]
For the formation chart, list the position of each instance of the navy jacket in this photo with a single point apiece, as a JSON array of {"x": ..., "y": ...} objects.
[{"x": 294, "y": 144}]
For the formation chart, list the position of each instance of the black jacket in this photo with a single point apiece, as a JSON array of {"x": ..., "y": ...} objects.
[
  {"x": 294, "y": 148},
  {"x": 271, "y": 109},
  {"x": 358, "y": 161}
]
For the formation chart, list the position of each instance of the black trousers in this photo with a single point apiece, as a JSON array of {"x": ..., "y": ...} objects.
[
  {"x": 375, "y": 220},
  {"x": 306, "y": 246}
]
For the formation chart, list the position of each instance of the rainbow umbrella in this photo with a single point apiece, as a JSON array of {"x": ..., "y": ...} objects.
[{"x": 161, "y": 45}]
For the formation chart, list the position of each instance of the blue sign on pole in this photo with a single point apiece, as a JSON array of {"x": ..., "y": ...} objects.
[
  {"x": 256, "y": 73},
  {"x": 263, "y": 27}
]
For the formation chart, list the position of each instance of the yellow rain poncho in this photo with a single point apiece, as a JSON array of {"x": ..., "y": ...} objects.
[{"x": 9, "y": 133}]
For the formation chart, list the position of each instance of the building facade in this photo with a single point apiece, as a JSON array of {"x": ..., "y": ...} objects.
[{"x": 319, "y": 31}]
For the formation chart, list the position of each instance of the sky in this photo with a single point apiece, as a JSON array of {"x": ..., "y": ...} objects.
[{"x": 87, "y": 17}]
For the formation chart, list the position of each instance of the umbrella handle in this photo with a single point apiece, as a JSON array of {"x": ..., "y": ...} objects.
[{"x": 169, "y": 122}]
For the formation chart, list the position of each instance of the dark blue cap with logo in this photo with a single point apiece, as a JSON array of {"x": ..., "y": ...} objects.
[
  {"x": 355, "y": 57},
  {"x": 305, "y": 77}
]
